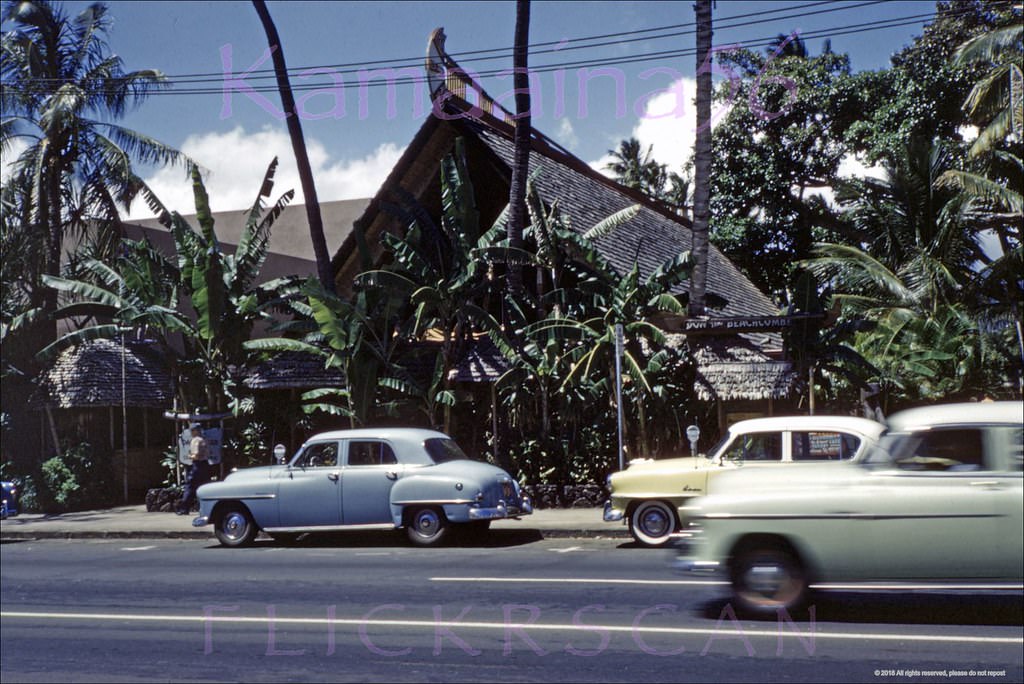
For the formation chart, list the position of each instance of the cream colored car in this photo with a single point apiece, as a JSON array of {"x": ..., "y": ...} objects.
[
  {"x": 647, "y": 494},
  {"x": 939, "y": 502}
]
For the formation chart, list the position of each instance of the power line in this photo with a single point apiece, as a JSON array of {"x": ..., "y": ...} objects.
[
  {"x": 596, "y": 62},
  {"x": 560, "y": 46},
  {"x": 366, "y": 82}
]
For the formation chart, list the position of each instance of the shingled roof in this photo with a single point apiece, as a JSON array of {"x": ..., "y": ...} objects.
[
  {"x": 585, "y": 196},
  {"x": 89, "y": 375}
]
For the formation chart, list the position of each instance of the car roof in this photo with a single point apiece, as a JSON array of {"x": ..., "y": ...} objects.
[
  {"x": 970, "y": 413},
  {"x": 842, "y": 423},
  {"x": 388, "y": 433}
]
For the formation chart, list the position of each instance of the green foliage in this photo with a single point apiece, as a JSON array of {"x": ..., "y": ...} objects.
[
  {"x": 922, "y": 95},
  {"x": 914, "y": 279},
  {"x": 149, "y": 295},
  {"x": 251, "y": 445},
  {"x": 780, "y": 144},
  {"x": 63, "y": 92},
  {"x": 75, "y": 479}
]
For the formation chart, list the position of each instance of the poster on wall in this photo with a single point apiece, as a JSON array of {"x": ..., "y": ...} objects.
[{"x": 213, "y": 437}]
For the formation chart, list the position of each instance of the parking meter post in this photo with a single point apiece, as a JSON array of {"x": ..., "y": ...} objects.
[
  {"x": 693, "y": 434},
  {"x": 618, "y": 389}
]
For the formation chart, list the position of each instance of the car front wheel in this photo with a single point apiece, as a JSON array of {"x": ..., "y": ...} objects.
[
  {"x": 427, "y": 526},
  {"x": 652, "y": 522},
  {"x": 766, "y": 579},
  {"x": 235, "y": 526}
]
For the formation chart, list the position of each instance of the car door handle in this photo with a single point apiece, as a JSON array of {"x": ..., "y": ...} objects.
[
  {"x": 333, "y": 475},
  {"x": 392, "y": 475},
  {"x": 987, "y": 484}
]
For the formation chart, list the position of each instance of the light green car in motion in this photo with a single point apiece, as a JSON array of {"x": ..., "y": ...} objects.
[
  {"x": 938, "y": 503},
  {"x": 647, "y": 494}
]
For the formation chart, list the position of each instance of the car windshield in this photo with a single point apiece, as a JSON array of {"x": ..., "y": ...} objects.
[{"x": 444, "y": 450}]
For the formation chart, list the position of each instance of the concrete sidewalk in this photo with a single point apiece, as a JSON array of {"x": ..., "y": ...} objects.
[{"x": 133, "y": 522}]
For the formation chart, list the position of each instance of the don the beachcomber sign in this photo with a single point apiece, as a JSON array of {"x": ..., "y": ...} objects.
[{"x": 741, "y": 324}]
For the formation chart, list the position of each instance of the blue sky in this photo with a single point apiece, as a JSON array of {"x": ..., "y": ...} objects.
[{"x": 235, "y": 137}]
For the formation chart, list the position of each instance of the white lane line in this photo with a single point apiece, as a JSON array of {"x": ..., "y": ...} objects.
[
  {"x": 137, "y": 548},
  {"x": 566, "y": 550},
  {"x": 831, "y": 587},
  {"x": 579, "y": 580},
  {"x": 434, "y": 624},
  {"x": 913, "y": 587}
]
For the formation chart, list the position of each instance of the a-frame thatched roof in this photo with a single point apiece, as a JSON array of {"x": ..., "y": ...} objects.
[
  {"x": 585, "y": 196},
  {"x": 741, "y": 367}
]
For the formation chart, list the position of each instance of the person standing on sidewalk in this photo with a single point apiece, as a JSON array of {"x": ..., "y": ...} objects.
[{"x": 199, "y": 471}]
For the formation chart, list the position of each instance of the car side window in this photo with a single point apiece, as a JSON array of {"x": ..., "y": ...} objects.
[
  {"x": 1016, "y": 463},
  {"x": 956, "y": 449},
  {"x": 824, "y": 446},
  {"x": 319, "y": 455},
  {"x": 370, "y": 453},
  {"x": 765, "y": 446}
]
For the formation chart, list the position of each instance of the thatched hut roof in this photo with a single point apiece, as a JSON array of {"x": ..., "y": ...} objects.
[
  {"x": 727, "y": 369},
  {"x": 292, "y": 370},
  {"x": 730, "y": 369},
  {"x": 483, "y": 362},
  {"x": 89, "y": 375}
]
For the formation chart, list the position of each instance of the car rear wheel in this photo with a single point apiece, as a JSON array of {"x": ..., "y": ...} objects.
[
  {"x": 766, "y": 579},
  {"x": 652, "y": 522},
  {"x": 427, "y": 526},
  {"x": 235, "y": 526}
]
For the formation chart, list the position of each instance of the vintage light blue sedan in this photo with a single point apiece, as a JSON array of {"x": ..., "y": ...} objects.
[{"x": 387, "y": 478}]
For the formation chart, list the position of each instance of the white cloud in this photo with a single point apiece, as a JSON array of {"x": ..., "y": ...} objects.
[
  {"x": 11, "y": 154},
  {"x": 849, "y": 167},
  {"x": 235, "y": 161},
  {"x": 567, "y": 134},
  {"x": 669, "y": 126}
]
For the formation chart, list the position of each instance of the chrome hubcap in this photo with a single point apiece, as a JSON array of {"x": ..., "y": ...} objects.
[
  {"x": 427, "y": 523},
  {"x": 235, "y": 525},
  {"x": 654, "y": 523},
  {"x": 766, "y": 578}
]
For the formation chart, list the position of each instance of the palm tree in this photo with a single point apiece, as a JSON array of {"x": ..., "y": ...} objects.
[
  {"x": 316, "y": 223},
  {"x": 993, "y": 181},
  {"x": 521, "y": 141},
  {"x": 62, "y": 92},
  {"x": 636, "y": 168},
  {"x": 913, "y": 276},
  {"x": 702, "y": 162},
  {"x": 998, "y": 98}
]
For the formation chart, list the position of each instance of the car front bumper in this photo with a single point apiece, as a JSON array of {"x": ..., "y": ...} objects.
[
  {"x": 612, "y": 514},
  {"x": 200, "y": 521},
  {"x": 689, "y": 545}
]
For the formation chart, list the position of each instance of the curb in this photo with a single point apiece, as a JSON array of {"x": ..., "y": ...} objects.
[{"x": 93, "y": 534}]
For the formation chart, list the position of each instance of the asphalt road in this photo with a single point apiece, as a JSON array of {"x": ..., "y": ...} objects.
[{"x": 368, "y": 607}]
